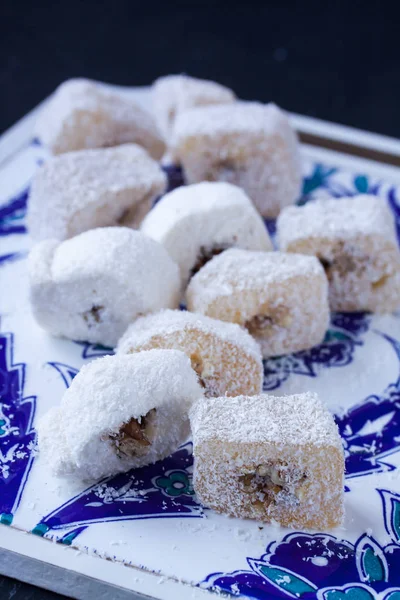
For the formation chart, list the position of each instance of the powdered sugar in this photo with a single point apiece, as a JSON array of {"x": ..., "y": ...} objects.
[
  {"x": 108, "y": 393},
  {"x": 237, "y": 269},
  {"x": 336, "y": 218},
  {"x": 246, "y": 143},
  {"x": 92, "y": 188},
  {"x": 85, "y": 114},
  {"x": 240, "y": 117},
  {"x": 356, "y": 241},
  {"x": 282, "y": 299},
  {"x": 300, "y": 419},
  {"x": 277, "y": 459},
  {"x": 174, "y": 94},
  {"x": 93, "y": 286},
  {"x": 203, "y": 217}
]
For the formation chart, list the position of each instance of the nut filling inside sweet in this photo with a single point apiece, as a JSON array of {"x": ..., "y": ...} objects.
[
  {"x": 206, "y": 254},
  {"x": 344, "y": 261},
  {"x": 208, "y": 382},
  {"x": 134, "y": 437},
  {"x": 277, "y": 484},
  {"x": 93, "y": 316},
  {"x": 264, "y": 324},
  {"x": 225, "y": 170}
]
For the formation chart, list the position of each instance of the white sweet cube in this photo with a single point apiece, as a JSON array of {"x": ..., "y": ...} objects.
[
  {"x": 120, "y": 412},
  {"x": 355, "y": 240},
  {"x": 269, "y": 458},
  {"x": 91, "y": 287},
  {"x": 248, "y": 144},
  {"x": 195, "y": 222},
  {"x": 281, "y": 298}
]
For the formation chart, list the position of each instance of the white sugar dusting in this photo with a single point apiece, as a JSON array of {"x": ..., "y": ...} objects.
[
  {"x": 246, "y": 143},
  {"x": 91, "y": 287},
  {"x": 225, "y": 356},
  {"x": 276, "y": 459},
  {"x": 355, "y": 238},
  {"x": 282, "y": 298},
  {"x": 82, "y": 190},
  {"x": 84, "y": 114},
  {"x": 173, "y": 94},
  {"x": 77, "y": 438},
  {"x": 299, "y": 420}
]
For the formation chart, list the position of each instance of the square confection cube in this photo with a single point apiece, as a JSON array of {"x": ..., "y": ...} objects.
[
  {"x": 174, "y": 94},
  {"x": 86, "y": 114},
  {"x": 355, "y": 240},
  {"x": 249, "y": 144},
  {"x": 100, "y": 187},
  {"x": 281, "y": 298},
  {"x": 225, "y": 357},
  {"x": 269, "y": 458}
]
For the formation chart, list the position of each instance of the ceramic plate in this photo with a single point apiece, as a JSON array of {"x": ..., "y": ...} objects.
[{"x": 149, "y": 518}]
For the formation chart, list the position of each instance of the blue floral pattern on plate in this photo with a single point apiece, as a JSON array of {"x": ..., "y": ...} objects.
[
  {"x": 17, "y": 436},
  {"x": 301, "y": 564},
  {"x": 305, "y": 565}
]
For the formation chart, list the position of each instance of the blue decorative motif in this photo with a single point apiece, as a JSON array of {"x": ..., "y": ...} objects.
[
  {"x": 391, "y": 513},
  {"x": 11, "y": 257},
  {"x": 175, "y": 176},
  {"x": 306, "y": 565},
  {"x": 12, "y": 215},
  {"x": 371, "y": 429},
  {"x": 67, "y": 373},
  {"x": 301, "y": 565},
  {"x": 162, "y": 490},
  {"x": 17, "y": 437},
  {"x": 318, "y": 179},
  {"x": 394, "y": 204},
  {"x": 94, "y": 350},
  {"x": 322, "y": 178},
  {"x": 337, "y": 350}
]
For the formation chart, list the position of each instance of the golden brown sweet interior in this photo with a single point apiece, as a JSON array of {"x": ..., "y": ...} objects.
[
  {"x": 208, "y": 383},
  {"x": 229, "y": 170},
  {"x": 276, "y": 483},
  {"x": 263, "y": 323},
  {"x": 345, "y": 260},
  {"x": 135, "y": 436}
]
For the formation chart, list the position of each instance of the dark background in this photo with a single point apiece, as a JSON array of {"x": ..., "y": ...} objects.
[{"x": 332, "y": 60}]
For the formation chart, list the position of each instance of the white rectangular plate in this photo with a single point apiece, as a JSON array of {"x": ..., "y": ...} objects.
[{"x": 158, "y": 540}]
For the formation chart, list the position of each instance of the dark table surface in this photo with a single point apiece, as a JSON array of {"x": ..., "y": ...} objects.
[{"x": 332, "y": 60}]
